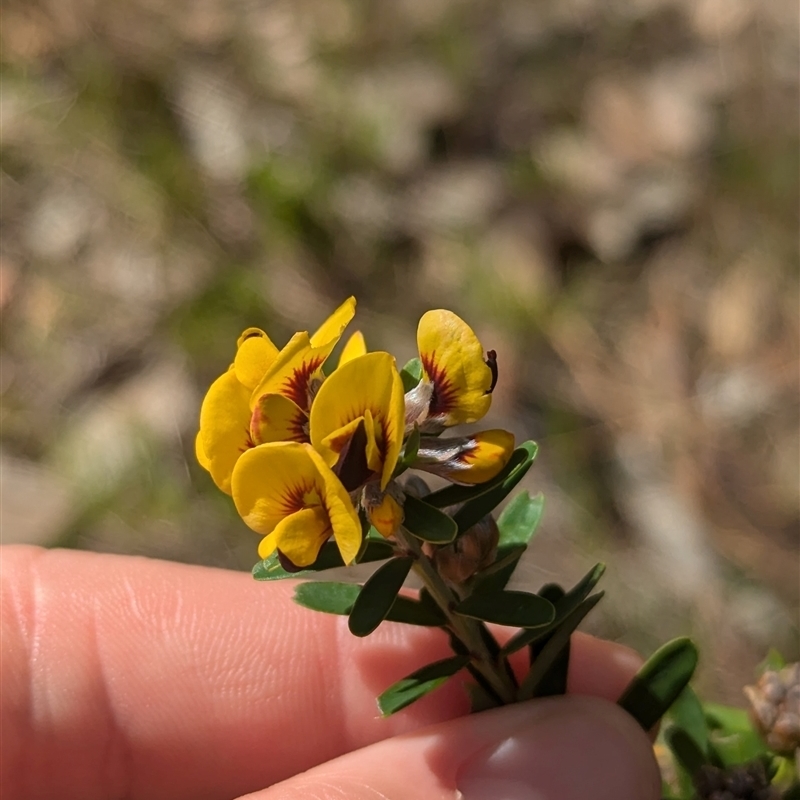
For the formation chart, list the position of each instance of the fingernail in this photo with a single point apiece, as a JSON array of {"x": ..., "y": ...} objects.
[{"x": 572, "y": 748}]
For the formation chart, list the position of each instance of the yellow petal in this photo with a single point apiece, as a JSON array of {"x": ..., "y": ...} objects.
[
  {"x": 373, "y": 449},
  {"x": 224, "y": 427},
  {"x": 267, "y": 546},
  {"x": 332, "y": 445},
  {"x": 272, "y": 481},
  {"x": 301, "y": 535},
  {"x": 333, "y": 327},
  {"x": 386, "y": 516},
  {"x": 368, "y": 383},
  {"x": 468, "y": 459},
  {"x": 343, "y": 516},
  {"x": 277, "y": 419},
  {"x": 354, "y": 347},
  {"x": 254, "y": 357},
  {"x": 200, "y": 453},
  {"x": 292, "y": 373},
  {"x": 453, "y": 360},
  {"x": 490, "y": 454}
]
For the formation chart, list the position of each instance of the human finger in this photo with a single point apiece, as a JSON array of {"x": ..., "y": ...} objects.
[
  {"x": 131, "y": 677},
  {"x": 563, "y": 748}
]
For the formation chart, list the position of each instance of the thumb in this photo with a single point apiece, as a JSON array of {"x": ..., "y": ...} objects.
[{"x": 561, "y": 748}]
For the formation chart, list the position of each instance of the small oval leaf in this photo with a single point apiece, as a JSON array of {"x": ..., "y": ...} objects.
[
  {"x": 418, "y": 684},
  {"x": 328, "y": 596},
  {"x": 517, "y": 609},
  {"x": 565, "y": 604},
  {"x": 520, "y": 519},
  {"x": 411, "y": 374},
  {"x": 659, "y": 682},
  {"x": 412, "y": 612},
  {"x": 428, "y": 523},
  {"x": 549, "y": 669},
  {"x": 378, "y": 595}
]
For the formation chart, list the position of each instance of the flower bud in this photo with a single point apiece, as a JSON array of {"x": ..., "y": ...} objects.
[
  {"x": 466, "y": 460},
  {"x": 775, "y": 708},
  {"x": 384, "y": 509},
  {"x": 474, "y": 550}
]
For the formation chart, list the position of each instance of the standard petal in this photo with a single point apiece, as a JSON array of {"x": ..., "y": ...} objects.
[
  {"x": 300, "y": 535},
  {"x": 354, "y": 347},
  {"x": 254, "y": 357},
  {"x": 272, "y": 481},
  {"x": 370, "y": 382},
  {"x": 277, "y": 419},
  {"x": 292, "y": 374},
  {"x": 333, "y": 327},
  {"x": 200, "y": 453},
  {"x": 224, "y": 427},
  {"x": 453, "y": 360}
]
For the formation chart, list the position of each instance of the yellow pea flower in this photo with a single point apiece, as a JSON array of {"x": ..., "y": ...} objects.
[
  {"x": 457, "y": 381},
  {"x": 235, "y": 414},
  {"x": 468, "y": 459},
  {"x": 285, "y": 491},
  {"x": 356, "y": 421}
]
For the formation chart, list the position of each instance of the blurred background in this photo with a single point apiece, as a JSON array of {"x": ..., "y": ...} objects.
[{"x": 606, "y": 191}]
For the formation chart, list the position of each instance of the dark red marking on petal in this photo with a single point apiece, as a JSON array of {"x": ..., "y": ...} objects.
[
  {"x": 491, "y": 362},
  {"x": 248, "y": 441},
  {"x": 295, "y": 387},
  {"x": 444, "y": 396},
  {"x": 252, "y": 334}
]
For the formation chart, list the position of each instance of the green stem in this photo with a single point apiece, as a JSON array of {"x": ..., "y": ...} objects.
[{"x": 467, "y": 630}]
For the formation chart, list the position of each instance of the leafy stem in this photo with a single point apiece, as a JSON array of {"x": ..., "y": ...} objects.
[{"x": 466, "y": 630}]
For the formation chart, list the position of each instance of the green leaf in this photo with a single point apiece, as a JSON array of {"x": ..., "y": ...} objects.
[
  {"x": 659, "y": 682},
  {"x": 413, "y": 612},
  {"x": 378, "y": 595},
  {"x": 685, "y": 750},
  {"x": 548, "y": 657},
  {"x": 519, "y": 520},
  {"x": 727, "y": 719},
  {"x": 419, "y": 683},
  {"x": 270, "y": 568},
  {"x": 565, "y": 605},
  {"x": 477, "y": 508},
  {"x": 521, "y": 459},
  {"x": 687, "y": 714},
  {"x": 411, "y": 447},
  {"x": 428, "y": 523},
  {"x": 411, "y": 374},
  {"x": 328, "y": 596},
  {"x": 517, "y": 609},
  {"x": 495, "y": 577}
]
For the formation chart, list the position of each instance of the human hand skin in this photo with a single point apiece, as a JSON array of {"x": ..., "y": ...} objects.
[{"x": 125, "y": 677}]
